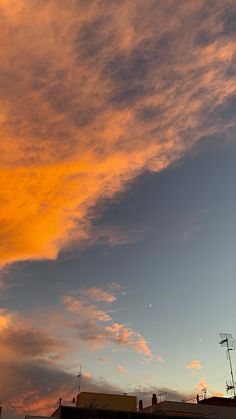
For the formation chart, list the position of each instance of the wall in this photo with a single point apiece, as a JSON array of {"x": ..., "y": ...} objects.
[{"x": 106, "y": 401}]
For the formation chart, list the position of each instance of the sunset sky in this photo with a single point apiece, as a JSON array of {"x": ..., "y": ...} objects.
[{"x": 118, "y": 199}]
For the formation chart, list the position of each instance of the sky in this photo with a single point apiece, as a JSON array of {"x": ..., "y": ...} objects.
[{"x": 118, "y": 200}]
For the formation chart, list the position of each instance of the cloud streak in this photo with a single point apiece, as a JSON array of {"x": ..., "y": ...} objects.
[
  {"x": 96, "y": 327},
  {"x": 99, "y": 294},
  {"x": 134, "y": 88},
  {"x": 87, "y": 311}
]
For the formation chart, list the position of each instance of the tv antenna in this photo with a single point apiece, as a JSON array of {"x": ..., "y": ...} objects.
[
  {"x": 204, "y": 392},
  {"x": 164, "y": 394},
  {"x": 79, "y": 376},
  {"x": 227, "y": 341}
]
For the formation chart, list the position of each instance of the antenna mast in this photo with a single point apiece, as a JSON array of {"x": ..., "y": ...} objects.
[
  {"x": 227, "y": 341},
  {"x": 79, "y": 376}
]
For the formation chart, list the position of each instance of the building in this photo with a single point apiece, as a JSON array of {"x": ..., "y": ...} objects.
[
  {"x": 89, "y": 405},
  {"x": 67, "y": 412},
  {"x": 214, "y": 407}
]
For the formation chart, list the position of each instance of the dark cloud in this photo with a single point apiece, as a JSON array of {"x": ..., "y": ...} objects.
[
  {"x": 42, "y": 385},
  {"x": 227, "y": 111},
  {"x": 147, "y": 114},
  {"x": 127, "y": 97},
  {"x": 29, "y": 343},
  {"x": 32, "y": 387},
  {"x": 229, "y": 26},
  {"x": 164, "y": 47},
  {"x": 130, "y": 68},
  {"x": 92, "y": 38},
  {"x": 204, "y": 38},
  {"x": 230, "y": 71}
]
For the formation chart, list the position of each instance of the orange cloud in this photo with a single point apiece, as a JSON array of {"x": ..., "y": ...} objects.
[
  {"x": 128, "y": 337},
  {"x": 142, "y": 346},
  {"x": 195, "y": 364},
  {"x": 5, "y": 319},
  {"x": 202, "y": 384},
  {"x": 85, "y": 310},
  {"x": 123, "y": 96},
  {"x": 33, "y": 403},
  {"x": 86, "y": 374},
  {"x": 98, "y": 336}
]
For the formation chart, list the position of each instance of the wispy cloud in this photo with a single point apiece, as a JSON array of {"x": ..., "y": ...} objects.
[
  {"x": 151, "y": 358},
  {"x": 96, "y": 326},
  {"x": 98, "y": 336},
  {"x": 121, "y": 369},
  {"x": 103, "y": 359},
  {"x": 99, "y": 294},
  {"x": 195, "y": 364},
  {"x": 142, "y": 346},
  {"x": 136, "y": 87},
  {"x": 87, "y": 311},
  {"x": 159, "y": 358}
]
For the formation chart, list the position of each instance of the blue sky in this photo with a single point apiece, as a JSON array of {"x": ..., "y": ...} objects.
[{"x": 118, "y": 225}]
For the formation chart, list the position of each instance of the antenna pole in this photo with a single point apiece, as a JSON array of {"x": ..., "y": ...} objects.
[
  {"x": 79, "y": 379},
  {"x": 228, "y": 342},
  {"x": 231, "y": 369}
]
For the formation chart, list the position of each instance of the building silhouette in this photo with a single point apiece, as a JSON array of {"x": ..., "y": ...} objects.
[{"x": 88, "y": 405}]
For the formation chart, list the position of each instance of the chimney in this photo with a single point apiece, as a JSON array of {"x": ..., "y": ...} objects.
[
  {"x": 140, "y": 405},
  {"x": 154, "y": 399}
]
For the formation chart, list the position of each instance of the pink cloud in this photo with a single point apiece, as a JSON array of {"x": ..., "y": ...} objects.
[
  {"x": 88, "y": 311},
  {"x": 142, "y": 347},
  {"x": 98, "y": 294},
  {"x": 128, "y": 337},
  {"x": 195, "y": 364},
  {"x": 98, "y": 336}
]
